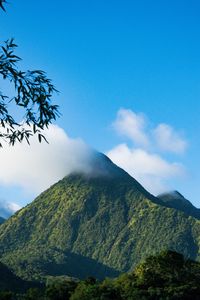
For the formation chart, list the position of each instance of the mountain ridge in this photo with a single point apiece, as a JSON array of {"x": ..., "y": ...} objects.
[
  {"x": 176, "y": 200},
  {"x": 107, "y": 218}
]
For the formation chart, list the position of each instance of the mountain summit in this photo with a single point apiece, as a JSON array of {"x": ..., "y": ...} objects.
[
  {"x": 176, "y": 200},
  {"x": 98, "y": 223}
]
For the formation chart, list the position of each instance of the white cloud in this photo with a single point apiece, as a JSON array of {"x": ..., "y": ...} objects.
[
  {"x": 131, "y": 125},
  {"x": 168, "y": 139},
  {"x": 143, "y": 159},
  {"x": 8, "y": 208},
  {"x": 40, "y": 165},
  {"x": 150, "y": 170},
  {"x": 136, "y": 127}
]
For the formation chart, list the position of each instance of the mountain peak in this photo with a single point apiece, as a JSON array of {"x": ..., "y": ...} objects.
[
  {"x": 101, "y": 165},
  {"x": 172, "y": 195},
  {"x": 178, "y": 201},
  {"x": 177, "y": 193}
]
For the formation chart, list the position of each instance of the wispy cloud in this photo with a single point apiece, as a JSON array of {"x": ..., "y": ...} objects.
[
  {"x": 131, "y": 125},
  {"x": 144, "y": 158},
  {"x": 151, "y": 170},
  {"x": 168, "y": 139},
  {"x": 8, "y": 208},
  {"x": 136, "y": 127}
]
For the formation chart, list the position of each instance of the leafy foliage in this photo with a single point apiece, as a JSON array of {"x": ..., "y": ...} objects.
[
  {"x": 60, "y": 289},
  {"x": 165, "y": 276},
  {"x": 33, "y": 93}
]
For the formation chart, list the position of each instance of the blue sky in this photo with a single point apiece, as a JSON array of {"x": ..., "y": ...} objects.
[{"x": 138, "y": 56}]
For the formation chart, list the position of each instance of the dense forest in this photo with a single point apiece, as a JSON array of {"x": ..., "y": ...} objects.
[{"x": 165, "y": 276}]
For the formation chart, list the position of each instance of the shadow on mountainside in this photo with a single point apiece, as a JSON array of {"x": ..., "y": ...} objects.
[
  {"x": 9, "y": 281},
  {"x": 76, "y": 265}
]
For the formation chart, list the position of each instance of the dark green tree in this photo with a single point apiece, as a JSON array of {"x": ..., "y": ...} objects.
[
  {"x": 6, "y": 295},
  {"x": 60, "y": 290},
  {"x": 86, "y": 290},
  {"x": 33, "y": 294}
]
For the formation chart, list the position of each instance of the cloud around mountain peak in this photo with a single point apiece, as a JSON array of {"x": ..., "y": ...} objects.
[
  {"x": 40, "y": 165},
  {"x": 36, "y": 167}
]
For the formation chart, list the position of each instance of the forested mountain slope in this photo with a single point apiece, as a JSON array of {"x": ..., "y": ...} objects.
[
  {"x": 176, "y": 200},
  {"x": 101, "y": 223}
]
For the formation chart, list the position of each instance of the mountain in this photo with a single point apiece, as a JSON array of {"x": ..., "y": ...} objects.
[
  {"x": 176, "y": 200},
  {"x": 99, "y": 223}
]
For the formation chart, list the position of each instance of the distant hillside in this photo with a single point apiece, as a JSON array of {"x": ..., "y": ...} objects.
[
  {"x": 176, "y": 200},
  {"x": 101, "y": 223}
]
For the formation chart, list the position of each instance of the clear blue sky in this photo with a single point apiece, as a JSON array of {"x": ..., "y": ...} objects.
[{"x": 104, "y": 55}]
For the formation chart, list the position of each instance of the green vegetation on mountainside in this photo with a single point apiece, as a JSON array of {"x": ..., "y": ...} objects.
[{"x": 87, "y": 225}]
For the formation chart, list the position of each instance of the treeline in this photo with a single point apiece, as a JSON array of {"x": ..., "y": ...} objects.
[{"x": 166, "y": 276}]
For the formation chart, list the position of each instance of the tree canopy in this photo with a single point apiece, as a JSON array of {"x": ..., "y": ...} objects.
[{"x": 165, "y": 276}]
